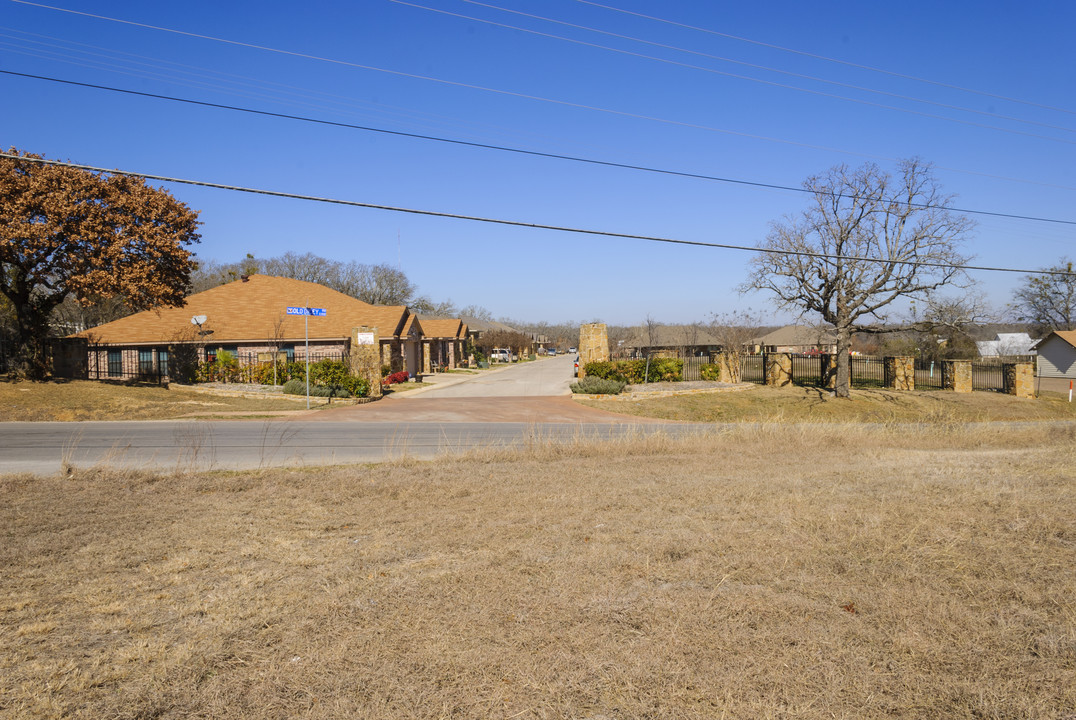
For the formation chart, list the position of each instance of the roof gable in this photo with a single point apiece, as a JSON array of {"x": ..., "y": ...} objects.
[{"x": 1068, "y": 336}]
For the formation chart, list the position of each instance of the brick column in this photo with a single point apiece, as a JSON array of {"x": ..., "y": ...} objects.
[
  {"x": 366, "y": 357},
  {"x": 900, "y": 373},
  {"x": 425, "y": 357},
  {"x": 1019, "y": 379},
  {"x": 956, "y": 375},
  {"x": 778, "y": 369}
]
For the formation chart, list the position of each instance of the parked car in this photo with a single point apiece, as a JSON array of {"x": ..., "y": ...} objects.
[
  {"x": 500, "y": 355},
  {"x": 572, "y": 351},
  {"x": 552, "y": 351}
]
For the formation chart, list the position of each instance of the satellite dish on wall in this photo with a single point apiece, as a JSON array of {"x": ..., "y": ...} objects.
[{"x": 198, "y": 320}]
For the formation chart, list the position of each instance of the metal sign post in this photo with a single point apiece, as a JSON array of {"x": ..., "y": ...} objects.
[{"x": 306, "y": 312}]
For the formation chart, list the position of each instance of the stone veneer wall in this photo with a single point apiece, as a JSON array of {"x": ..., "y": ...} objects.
[
  {"x": 593, "y": 345},
  {"x": 778, "y": 369},
  {"x": 956, "y": 375},
  {"x": 366, "y": 358},
  {"x": 900, "y": 373},
  {"x": 1019, "y": 379}
]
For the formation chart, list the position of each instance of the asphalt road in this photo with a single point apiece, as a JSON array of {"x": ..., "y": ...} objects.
[
  {"x": 45, "y": 448},
  {"x": 459, "y": 413}
]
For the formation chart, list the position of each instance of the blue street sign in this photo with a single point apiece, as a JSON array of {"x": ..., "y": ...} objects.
[{"x": 319, "y": 312}]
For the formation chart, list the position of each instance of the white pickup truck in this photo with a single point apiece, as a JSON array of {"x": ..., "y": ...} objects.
[{"x": 500, "y": 355}]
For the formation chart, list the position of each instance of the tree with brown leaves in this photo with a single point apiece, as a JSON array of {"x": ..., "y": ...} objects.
[{"x": 69, "y": 232}]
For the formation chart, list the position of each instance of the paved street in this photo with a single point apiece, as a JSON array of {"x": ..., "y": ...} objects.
[{"x": 459, "y": 413}]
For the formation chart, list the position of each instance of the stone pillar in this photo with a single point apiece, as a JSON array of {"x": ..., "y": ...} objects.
[
  {"x": 452, "y": 354},
  {"x": 828, "y": 367},
  {"x": 1019, "y": 379},
  {"x": 593, "y": 345},
  {"x": 386, "y": 354},
  {"x": 366, "y": 357},
  {"x": 426, "y": 357},
  {"x": 956, "y": 375},
  {"x": 728, "y": 369},
  {"x": 900, "y": 373},
  {"x": 396, "y": 359},
  {"x": 778, "y": 369}
]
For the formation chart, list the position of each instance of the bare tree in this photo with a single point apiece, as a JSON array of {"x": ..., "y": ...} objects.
[
  {"x": 866, "y": 241},
  {"x": 1048, "y": 302},
  {"x": 735, "y": 332}
]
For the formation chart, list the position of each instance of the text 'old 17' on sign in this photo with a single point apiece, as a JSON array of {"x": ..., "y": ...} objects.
[{"x": 320, "y": 312}]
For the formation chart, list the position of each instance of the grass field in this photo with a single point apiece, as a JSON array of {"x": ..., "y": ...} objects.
[
  {"x": 804, "y": 404},
  {"x": 89, "y": 400},
  {"x": 827, "y": 571}
]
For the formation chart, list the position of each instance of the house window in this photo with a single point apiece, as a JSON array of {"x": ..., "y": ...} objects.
[
  {"x": 162, "y": 362},
  {"x": 145, "y": 362},
  {"x": 289, "y": 352},
  {"x": 115, "y": 363}
]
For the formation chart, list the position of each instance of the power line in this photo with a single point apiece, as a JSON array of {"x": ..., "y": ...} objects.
[
  {"x": 503, "y": 148},
  {"x": 518, "y": 223},
  {"x": 755, "y": 66},
  {"x": 508, "y": 93},
  {"x": 815, "y": 56}
]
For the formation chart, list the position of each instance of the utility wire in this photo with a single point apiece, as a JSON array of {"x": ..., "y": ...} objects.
[
  {"x": 755, "y": 66},
  {"x": 846, "y": 63},
  {"x": 534, "y": 226},
  {"x": 452, "y": 83},
  {"x": 503, "y": 148}
]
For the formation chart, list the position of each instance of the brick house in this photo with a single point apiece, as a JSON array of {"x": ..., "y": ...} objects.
[
  {"x": 249, "y": 319},
  {"x": 446, "y": 340}
]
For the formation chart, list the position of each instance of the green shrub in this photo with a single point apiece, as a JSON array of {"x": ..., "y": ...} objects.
[
  {"x": 601, "y": 369},
  {"x": 329, "y": 378},
  {"x": 295, "y": 387},
  {"x": 592, "y": 385},
  {"x": 710, "y": 371},
  {"x": 666, "y": 369}
]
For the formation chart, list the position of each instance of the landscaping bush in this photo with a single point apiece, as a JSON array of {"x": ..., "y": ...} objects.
[
  {"x": 710, "y": 371},
  {"x": 225, "y": 368},
  {"x": 592, "y": 385},
  {"x": 601, "y": 369},
  {"x": 402, "y": 376},
  {"x": 295, "y": 387}
]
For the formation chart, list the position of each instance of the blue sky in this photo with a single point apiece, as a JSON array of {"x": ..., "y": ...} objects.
[{"x": 727, "y": 98}]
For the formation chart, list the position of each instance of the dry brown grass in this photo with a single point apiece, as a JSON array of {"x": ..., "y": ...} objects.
[
  {"x": 87, "y": 400},
  {"x": 807, "y": 572},
  {"x": 797, "y": 404}
]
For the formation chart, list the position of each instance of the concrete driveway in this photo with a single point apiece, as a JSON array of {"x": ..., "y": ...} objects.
[{"x": 532, "y": 392}]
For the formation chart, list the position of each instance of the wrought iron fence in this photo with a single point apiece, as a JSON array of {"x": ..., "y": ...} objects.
[
  {"x": 928, "y": 374},
  {"x": 988, "y": 376},
  {"x": 867, "y": 371},
  {"x": 752, "y": 369}
]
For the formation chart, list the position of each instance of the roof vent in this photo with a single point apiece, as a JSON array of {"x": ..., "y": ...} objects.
[{"x": 244, "y": 278}]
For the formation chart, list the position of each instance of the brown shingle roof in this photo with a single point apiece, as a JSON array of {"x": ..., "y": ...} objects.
[
  {"x": 249, "y": 311},
  {"x": 442, "y": 327}
]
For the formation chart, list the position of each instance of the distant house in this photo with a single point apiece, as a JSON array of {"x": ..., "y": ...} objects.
[
  {"x": 249, "y": 318},
  {"x": 477, "y": 327},
  {"x": 671, "y": 340},
  {"x": 1006, "y": 345},
  {"x": 797, "y": 339},
  {"x": 1057, "y": 355}
]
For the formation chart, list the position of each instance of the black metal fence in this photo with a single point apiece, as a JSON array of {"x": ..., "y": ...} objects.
[{"x": 988, "y": 376}]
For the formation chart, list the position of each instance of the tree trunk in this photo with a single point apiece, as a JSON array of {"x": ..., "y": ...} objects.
[{"x": 843, "y": 386}]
